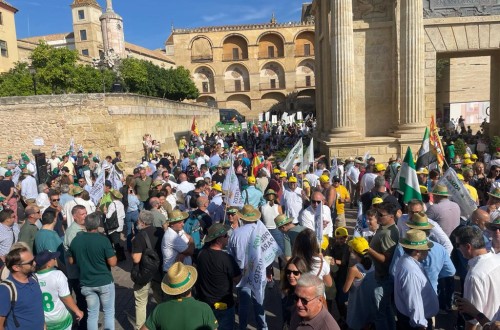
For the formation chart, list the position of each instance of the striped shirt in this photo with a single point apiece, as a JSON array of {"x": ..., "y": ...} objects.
[{"x": 8, "y": 236}]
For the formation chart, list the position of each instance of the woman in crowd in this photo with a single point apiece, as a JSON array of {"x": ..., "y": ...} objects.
[
  {"x": 293, "y": 269},
  {"x": 479, "y": 182},
  {"x": 306, "y": 247}
]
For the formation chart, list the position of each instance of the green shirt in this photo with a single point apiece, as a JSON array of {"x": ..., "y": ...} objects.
[
  {"x": 385, "y": 239},
  {"x": 105, "y": 201},
  {"x": 91, "y": 251},
  {"x": 143, "y": 187},
  {"x": 46, "y": 239},
  {"x": 185, "y": 313},
  {"x": 27, "y": 234}
]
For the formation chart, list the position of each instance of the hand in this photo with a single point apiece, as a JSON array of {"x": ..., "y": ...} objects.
[
  {"x": 465, "y": 306},
  {"x": 79, "y": 315}
]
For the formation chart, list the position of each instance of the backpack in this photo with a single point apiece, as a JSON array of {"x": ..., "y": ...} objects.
[
  {"x": 192, "y": 227},
  {"x": 143, "y": 272},
  {"x": 111, "y": 223},
  {"x": 4, "y": 274}
]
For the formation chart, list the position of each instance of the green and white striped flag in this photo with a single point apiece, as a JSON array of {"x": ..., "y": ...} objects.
[
  {"x": 425, "y": 154},
  {"x": 408, "y": 180}
]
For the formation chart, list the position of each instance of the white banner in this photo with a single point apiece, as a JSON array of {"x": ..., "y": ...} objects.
[
  {"x": 293, "y": 157},
  {"x": 114, "y": 177},
  {"x": 261, "y": 117},
  {"x": 268, "y": 114},
  {"x": 334, "y": 170},
  {"x": 274, "y": 120},
  {"x": 308, "y": 158},
  {"x": 244, "y": 126},
  {"x": 458, "y": 193},
  {"x": 16, "y": 173},
  {"x": 284, "y": 116},
  {"x": 262, "y": 250},
  {"x": 318, "y": 223},
  {"x": 232, "y": 187},
  {"x": 291, "y": 119},
  {"x": 97, "y": 189},
  {"x": 299, "y": 115}
]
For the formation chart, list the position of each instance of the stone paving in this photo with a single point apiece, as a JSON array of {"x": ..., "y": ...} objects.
[{"x": 125, "y": 310}]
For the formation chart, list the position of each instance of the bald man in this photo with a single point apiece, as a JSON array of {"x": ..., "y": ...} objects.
[{"x": 307, "y": 216}]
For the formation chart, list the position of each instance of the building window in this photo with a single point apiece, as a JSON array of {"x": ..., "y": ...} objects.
[
  {"x": 270, "y": 51},
  {"x": 1, "y": 18},
  {"x": 204, "y": 87},
  {"x": 237, "y": 85},
  {"x": 81, "y": 14},
  {"x": 3, "y": 49},
  {"x": 236, "y": 54},
  {"x": 85, "y": 52},
  {"x": 83, "y": 35},
  {"x": 307, "y": 49},
  {"x": 308, "y": 81},
  {"x": 272, "y": 83}
]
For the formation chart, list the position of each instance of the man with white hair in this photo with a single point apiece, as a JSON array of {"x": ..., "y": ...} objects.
[{"x": 310, "y": 310}]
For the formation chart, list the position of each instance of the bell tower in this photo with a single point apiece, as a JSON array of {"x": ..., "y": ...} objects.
[
  {"x": 112, "y": 31},
  {"x": 87, "y": 28}
]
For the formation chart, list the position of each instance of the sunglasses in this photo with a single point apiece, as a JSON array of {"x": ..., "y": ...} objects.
[
  {"x": 315, "y": 202},
  {"x": 27, "y": 262},
  {"x": 380, "y": 215},
  {"x": 304, "y": 301},
  {"x": 55, "y": 200},
  {"x": 294, "y": 272}
]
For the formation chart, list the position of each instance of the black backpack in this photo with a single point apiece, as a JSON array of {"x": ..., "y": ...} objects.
[{"x": 143, "y": 272}]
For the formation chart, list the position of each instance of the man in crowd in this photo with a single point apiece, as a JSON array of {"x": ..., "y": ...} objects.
[
  {"x": 94, "y": 255},
  {"x": 252, "y": 195},
  {"x": 307, "y": 215},
  {"x": 30, "y": 228},
  {"x": 445, "y": 212},
  {"x": 29, "y": 189},
  {"x": 9, "y": 232},
  {"x": 218, "y": 272},
  {"x": 343, "y": 197},
  {"x": 292, "y": 199},
  {"x": 176, "y": 245},
  {"x": 290, "y": 232},
  {"x": 142, "y": 185}
]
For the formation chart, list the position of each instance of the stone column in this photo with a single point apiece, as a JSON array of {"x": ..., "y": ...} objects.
[
  {"x": 342, "y": 43},
  {"x": 412, "y": 66}
]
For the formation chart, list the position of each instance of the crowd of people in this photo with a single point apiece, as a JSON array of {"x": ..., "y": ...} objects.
[{"x": 189, "y": 238}]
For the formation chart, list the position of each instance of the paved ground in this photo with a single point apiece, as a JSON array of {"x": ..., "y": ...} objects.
[{"x": 125, "y": 299}]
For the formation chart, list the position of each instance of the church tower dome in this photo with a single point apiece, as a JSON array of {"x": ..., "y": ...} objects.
[{"x": 112, "y": 30}]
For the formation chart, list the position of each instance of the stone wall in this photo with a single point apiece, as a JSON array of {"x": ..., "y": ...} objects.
[{"x": 103, "y": 123}]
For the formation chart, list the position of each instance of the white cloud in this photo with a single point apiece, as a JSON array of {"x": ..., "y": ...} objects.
[{"x": 213, "y": 18}]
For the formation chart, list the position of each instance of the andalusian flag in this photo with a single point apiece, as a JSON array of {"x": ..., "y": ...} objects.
[
  {"x": 194, "y": 127},
  {"x": 435, "y": 142},
  {"x": 408, "y": 181},
  {"x": 425, "y": 154}
]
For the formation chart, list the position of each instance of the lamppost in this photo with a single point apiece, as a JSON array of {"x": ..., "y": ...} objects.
[
  {"x": 33, "y": 77},
  {"x": 108, "y": 59}
]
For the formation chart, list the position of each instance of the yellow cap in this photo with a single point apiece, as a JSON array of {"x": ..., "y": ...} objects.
[
  {"x": 324, "y": 179},
  {"x": 276, "y": 171},
  {"x": 283, "y": 175},
  {"x": 377, "y": 200},
  {"x": 292, "y": 179},
  {"x": 341, "y": 231},
  {"x": 468, "y": 162},
  {"x": 460, "y": 176},
  {"x": 466, "y": 156},
  {"x": 423, "y": 189},
  {"x": 217, "y": 187},
  {"x": 423, "y": 170},
  {"x": 251, "y": 180},
  {"x": 473, "y": 157},
  {"x": 359, "y": 245},
  {"x": 379, "y": 167}
]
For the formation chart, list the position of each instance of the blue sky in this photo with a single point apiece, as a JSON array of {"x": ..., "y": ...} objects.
[{"x": 148, "y": 22}]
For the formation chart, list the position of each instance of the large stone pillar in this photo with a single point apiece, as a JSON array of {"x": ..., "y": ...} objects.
[
  {"x": 412, "y": 67},
  {"x": 342, "y": 45}
]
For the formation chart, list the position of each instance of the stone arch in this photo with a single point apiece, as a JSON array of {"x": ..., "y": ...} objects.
[
  {"x": 240, "y": 102},
  {"x": 271, "y": 45},
  {"x": 273, "y": 100},
  {"x": 236, "y": 78},
  {"x": 272, "y": 76},
  {"x": 201, "y": 49},
  {"x": 305, "y": 74},
  {"x": 204, "y": 79},
  {"x": 305, "y": 100},
  {"x": 235, "y": 48},
  {"x": 208, "y": 100},
  {"x": 304, "y": 43}
]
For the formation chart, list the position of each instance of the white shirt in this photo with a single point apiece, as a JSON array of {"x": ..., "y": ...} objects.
[
  {"x": 292, "y": 201},
  {"x": 185, "y": 187},
  {"x": 410, "y": 286},
  {"x": 367, "y": 182},
  {"x": 29, "y": 189},
  {"x": 313, "y": 179},
  {"x": 68, "y": 207},
  {"x": 117, "y": 206},
  {"x": 269, "y": 213},
  {"x": 482, "y": 285},
  {"x": 200, "y": 161},
  {"x": 54, "y": 285},
  {"x": 172, "y": 245},
  {"x": 315, "y": 269},
  {"x": 437, "y": 234},
  {"x": 54, "y": 163},
  {"x": 306, "y": 219},
  {"x": 238, "y": 245},
  {"x": 353, "y": 174},
  {"x": 42, "y": 201}
]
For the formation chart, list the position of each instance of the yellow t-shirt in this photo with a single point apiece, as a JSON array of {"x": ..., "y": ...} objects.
[
  {"x": 342, "y": 193},
  {"x": 472, "y": 192}
]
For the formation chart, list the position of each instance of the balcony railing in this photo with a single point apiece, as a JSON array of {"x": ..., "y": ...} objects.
[
  {"x": 302, "y": 53},
  {"x": 207, "y": 91},
  {"x": 267, "y": 55},
  {"x": 236, "y": 88},
  {"x": 233, "y": 57},
  {"x": 305, "y": 84},
  {"x": 202, "y": 58},
  {"x": 268, "y": 86}
]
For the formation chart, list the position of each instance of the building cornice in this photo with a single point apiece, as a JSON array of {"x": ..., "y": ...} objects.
[{"x": 227, "y": 28}]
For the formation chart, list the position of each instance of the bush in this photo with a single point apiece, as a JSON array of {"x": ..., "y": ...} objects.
[
  {"x": 460, "y": 147},
  {"x": 494, "y": 144}
]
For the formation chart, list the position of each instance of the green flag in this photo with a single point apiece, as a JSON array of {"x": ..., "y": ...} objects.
[{"x": 408, "y": 180}]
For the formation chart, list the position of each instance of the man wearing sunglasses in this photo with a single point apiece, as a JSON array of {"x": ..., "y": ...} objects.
[
  {"x": 27, "y": 313},
  {"x": 310, "y": 311}
]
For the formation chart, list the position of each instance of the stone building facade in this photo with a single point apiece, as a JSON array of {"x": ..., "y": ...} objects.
[
  {"x": 376, "y": 60},
  {"x": 250, "y": 67},
  {"x": 8, "y": 47},
  {"x": 93, "y": 33},
  {"x": 103, "y": 123}
]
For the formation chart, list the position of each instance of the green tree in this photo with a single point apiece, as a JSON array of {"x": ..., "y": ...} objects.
[
  {"x": 55, "y": 67},
  {"x": 17, "y": 82},
  {"x": 180, "y": 86},
  {"x": 90, "y": 80},
  {"x": 135, "y": 75}
]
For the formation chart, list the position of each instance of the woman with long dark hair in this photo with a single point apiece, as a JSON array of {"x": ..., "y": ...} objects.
[{"x": 294, "y": 268}]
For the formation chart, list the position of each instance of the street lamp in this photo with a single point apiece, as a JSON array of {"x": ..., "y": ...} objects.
[{"x": 33, "y": 77}]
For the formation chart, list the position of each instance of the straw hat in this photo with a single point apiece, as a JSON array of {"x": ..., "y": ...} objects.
[
  {"x": 270, "y": 192},
  {"x": 76, "y": 191},
  {"x": 179, "y": 279},
  {"x": 249, "y": 213},
  {"x": 116, "y": 194},
  {"x": 419, "y": 221},
  {"x": 215, "y": 231},
  {"x": 359, "y": 245},
  {"x": 423, "y": 170},
  {"x": 282, "y": 220},
  {"x": 494, "y": 225},
  {"x": 232, "y": 210},
  {"x": 177, "y": 215},
  {"x": 157, "y": 183},
  {"x": 440, "y": 190},
  {"x": 416, "y": 240},
  {"x": 120, "y": 166},
  {"x": 495, "y": 193}
]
